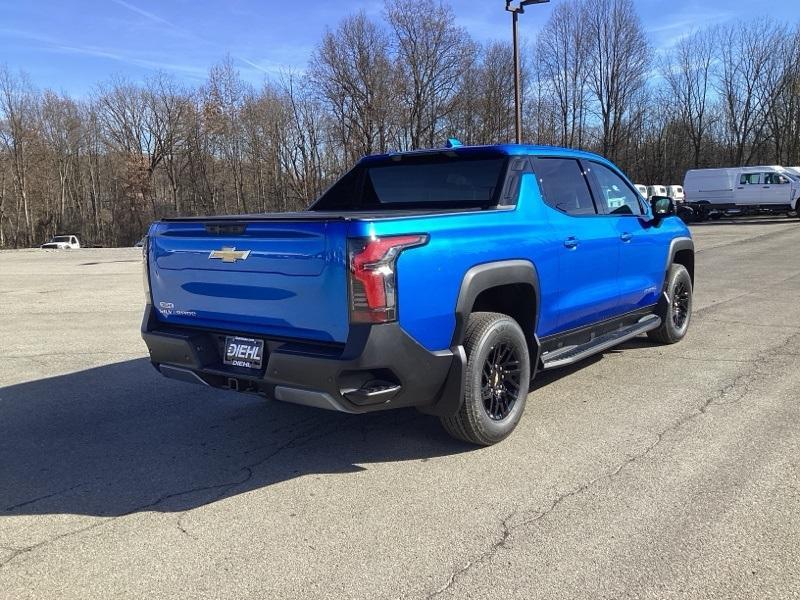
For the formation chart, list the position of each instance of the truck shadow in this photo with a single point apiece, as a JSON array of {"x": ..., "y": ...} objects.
[{"x": 119, "y": 439}]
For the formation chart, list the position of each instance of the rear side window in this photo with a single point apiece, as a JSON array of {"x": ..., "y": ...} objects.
[
  {"x": 418, "y": 182},
  {"x": 563, "y": 185},
  {"x": 616, "y": 197},
  {"x": 750, "y": 178}
]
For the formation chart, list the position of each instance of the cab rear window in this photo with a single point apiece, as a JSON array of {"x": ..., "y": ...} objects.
[{"x": 418, "y": 182}]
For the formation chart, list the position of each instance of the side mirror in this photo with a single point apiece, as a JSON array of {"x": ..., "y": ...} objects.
[{"x": 663, "y": 206}]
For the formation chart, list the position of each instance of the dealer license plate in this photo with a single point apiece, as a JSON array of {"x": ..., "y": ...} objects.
[{"x": 244, "y": 352}]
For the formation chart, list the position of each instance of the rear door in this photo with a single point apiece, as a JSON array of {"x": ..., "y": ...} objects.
[
  {"x": 642, "y": 255},
  {"x": 282, "y": 277},
  {"x": 748, "y": 189},
  {"x": 588, "y": 251}
]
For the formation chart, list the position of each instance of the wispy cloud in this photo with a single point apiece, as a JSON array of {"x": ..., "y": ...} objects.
[
  {"x": 146, "y": 14},
  {"x": 129, "y": 59},
  {"x": 50, "y": 44},
  {"x": 263, "y": 67},
  {"x": 669, "y": 31}
]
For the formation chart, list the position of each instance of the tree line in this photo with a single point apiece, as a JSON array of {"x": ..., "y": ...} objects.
[{"x": 105, "y": 166}]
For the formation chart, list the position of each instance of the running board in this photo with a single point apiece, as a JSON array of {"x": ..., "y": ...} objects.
[{"x": 568, "y": 355}]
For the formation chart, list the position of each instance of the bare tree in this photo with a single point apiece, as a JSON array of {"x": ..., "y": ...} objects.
[
  {"x": 432, "y": 54},
  {"x": 563, "y": 60},
  {"x": 689, "y": 71},
  {"x": 224, "y": 95},
  {"x": 351, "y": 70},
  {"x": 17, "y": 105},
  {"x": 619, "y": 57},
  {"x": 750, "y": 83},
  {"x": 784, "y": 113},
  {"x": 168, "y": 107}
]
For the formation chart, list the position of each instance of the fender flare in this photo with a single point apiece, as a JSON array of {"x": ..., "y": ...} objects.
[
  {"x": 675, "y": 246},
  {"x": 476, "y": 280},
  {"x": 488, "y": 275}
]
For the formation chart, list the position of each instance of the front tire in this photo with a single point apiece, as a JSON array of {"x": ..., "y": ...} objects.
[
  {"x": 497, "y": 378},
  {"x": 675, "y": 323}
]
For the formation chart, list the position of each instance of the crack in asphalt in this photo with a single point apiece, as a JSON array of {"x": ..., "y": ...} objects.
[
  {"x": 313, "y": 429},
  {"x": 13, "y": 507},
  {"x": 223, "y": 488},
  {"x": 743, "y": 380}
]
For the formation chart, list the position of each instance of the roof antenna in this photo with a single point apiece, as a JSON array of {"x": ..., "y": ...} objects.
[{"x": 454, "y": 143}]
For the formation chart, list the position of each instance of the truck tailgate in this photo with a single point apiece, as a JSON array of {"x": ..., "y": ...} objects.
[{"x": 279, "y": 278}]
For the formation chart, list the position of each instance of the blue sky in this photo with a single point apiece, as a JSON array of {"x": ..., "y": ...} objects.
[{"x": 71, "y": 45}]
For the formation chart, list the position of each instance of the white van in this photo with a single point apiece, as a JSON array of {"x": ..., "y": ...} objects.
[
  {"x": 656, "y": 190},
  {"x": 676, "y": 193},
  {"x": 642, "y": 189},
  {"x": 769, "y": 188}
]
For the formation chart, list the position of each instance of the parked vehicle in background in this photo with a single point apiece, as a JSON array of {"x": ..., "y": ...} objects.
[
  {"x": 62, "y": 242},
  {"x": 642, "y": 189},
  {"x": 656, "y": 190},
  {"x": 676, "y": 193},
  {"x": 540, "y": 257},
  {"x": 748, "y": 190}
]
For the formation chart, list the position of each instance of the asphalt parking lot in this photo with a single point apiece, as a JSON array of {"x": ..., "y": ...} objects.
[{"x": 649, "y": 472}]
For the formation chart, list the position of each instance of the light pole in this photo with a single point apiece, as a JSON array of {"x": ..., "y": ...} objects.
[{"x": 516, "y": 8}]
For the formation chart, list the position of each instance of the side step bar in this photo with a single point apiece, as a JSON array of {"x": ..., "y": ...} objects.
[{"x": 568, "y": 355}]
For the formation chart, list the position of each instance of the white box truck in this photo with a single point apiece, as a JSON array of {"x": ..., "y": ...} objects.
[{"x": 748, "y": 190}]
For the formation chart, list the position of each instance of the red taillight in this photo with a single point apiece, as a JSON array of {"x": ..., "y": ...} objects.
[{"x": 373, "y": 281}]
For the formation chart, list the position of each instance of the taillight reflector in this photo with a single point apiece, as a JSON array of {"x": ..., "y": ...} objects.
[{"x": 373, "y": 280}]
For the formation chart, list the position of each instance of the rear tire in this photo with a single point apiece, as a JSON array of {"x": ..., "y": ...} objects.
[
  {"x": 675, "y": 323},
  {"x": 497, "y": 379}
]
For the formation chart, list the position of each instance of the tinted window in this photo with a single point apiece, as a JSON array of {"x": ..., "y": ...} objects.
[
  {"x": 563, "y": 185},
  {"x": 775, "y": 178},
  {"x": 616, "y": 197},
  {"x": 418, "y": 182},
  {"x": 750, "y": 178}
]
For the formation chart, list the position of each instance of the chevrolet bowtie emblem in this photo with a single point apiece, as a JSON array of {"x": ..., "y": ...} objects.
[{"x": 229, "y": 255}]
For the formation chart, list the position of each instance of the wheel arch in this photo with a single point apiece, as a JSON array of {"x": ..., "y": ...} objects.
[
  {"x": 510, "y": 287},
  {"x": 681, "y": 252}
]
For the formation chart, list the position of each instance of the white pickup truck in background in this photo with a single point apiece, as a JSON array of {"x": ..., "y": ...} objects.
[
  {"x": 748, "y": 190},
  {"x": 62, "y": 242}
]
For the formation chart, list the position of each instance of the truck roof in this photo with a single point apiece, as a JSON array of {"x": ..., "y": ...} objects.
[{"x": 492, "y": 149}]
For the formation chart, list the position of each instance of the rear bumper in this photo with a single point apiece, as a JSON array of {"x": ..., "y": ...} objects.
[{"x": 379, "y": 367}]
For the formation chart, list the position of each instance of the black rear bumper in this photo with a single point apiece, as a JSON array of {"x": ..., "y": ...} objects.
[{"x": 379, "y": 367}]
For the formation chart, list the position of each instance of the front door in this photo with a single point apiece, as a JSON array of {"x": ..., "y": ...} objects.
[
  {"x": 642, "y": 255},
  {"x": 776, "y": 188}
]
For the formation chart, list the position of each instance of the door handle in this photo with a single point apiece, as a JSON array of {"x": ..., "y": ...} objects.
[
  {"x": 766, "y": 187},
  {"x": 571, "y": 242},
  {"x": 626, "y": 237}
]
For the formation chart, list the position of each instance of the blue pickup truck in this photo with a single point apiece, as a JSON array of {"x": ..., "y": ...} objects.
[{"x": 440, "y": 279}]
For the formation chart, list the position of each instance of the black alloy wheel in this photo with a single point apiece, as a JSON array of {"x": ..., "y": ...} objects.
[{"x": 500, "y": 382}]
